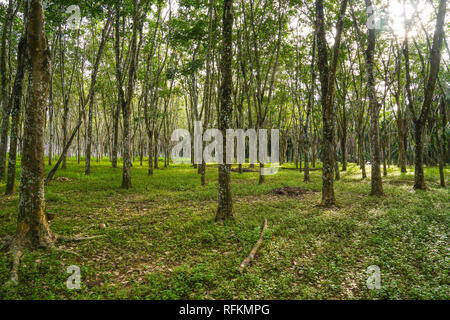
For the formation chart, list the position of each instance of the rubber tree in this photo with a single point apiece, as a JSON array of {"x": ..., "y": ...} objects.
[{"x": 225, "y": 207}]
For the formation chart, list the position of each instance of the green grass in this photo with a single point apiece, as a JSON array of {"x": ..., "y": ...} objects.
[{"x": 161, "y": 241}]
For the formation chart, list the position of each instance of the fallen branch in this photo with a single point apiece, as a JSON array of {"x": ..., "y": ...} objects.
[{"x": 255, "y": 248}]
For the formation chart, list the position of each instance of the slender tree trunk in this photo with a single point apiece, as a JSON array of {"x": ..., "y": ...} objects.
[
  {"x": 51, "y": 112},
  {"x": 115, "y": 136},
  {"x": 6, "y": 106},
  {"x": 401, "y": 146},
  {"x": 156, "y": 152},
  {"x": 400, "y": 119},
  {"x": 377, "y": 185},
  {"x": 327, "y": 79},
  {"x": 150, "y": 153},
  {"x": 126, "y": 173},
  {"x": 126, "y": 109},
  {"x": 78, "y": 135},
  {"x": 306, "y": 176},
  {"x": 314, "y": 154},
  {"x": 361, "y": 157},
  {"x": 225, "y": 207},
  {"x": 16, "y": 99},
  {"x": 383, "y": 149},
  {"x": 419, "y": 177},
  {"x": 420, "y": 121},
  {"x": 65, "y": 118},
  {"x": 87, "y": 169},
  {"x": 443, "y": 144},
  {"x": 336, "y": 156},
  {"x": 344, "y": 137}
]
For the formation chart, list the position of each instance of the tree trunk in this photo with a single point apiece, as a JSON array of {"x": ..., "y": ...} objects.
[
  {"x": 327, "y": 79},
  {"x": 126, "y": 170},
  {"x": 225, "y": 207},
  {"x": 51, "y": 112},
  {"x": 377, "y": 185},
  {"x": 344, "y": 138},
  {"x": 383, "y": 149},
  {"x": 87, "y": 169},
  {"x": 336, "y": 156},
  {"x": 126, "y": 101},
  {"x": 6, "y": 106},
  {"x": 16, "y": 99},
  {"x": 419, "y": 177},
  {"x": 443, "y": 144},
  {"x": 420, "y": 121},
  {"x": 156, "y": 152},
  {"x": 32, "y": 226},
  {"x": 401, "y": 144},
  {"x": 150, "y": 153},
  {"x": 115, "y": 136},
  {"x": 361, "y": 158},
  {"x": 306, "y": 176}
]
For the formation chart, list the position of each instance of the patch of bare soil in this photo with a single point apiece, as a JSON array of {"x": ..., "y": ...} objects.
[
  {"x": 63, "y": 179},
  {"x": 400, "y": 182},
  {"x": 243, "y": 170},
  {"x": 292, "y": 191},
  {"x": 310, "y": 169}
]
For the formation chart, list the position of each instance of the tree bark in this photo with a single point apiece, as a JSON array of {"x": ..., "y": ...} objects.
[
  {"x": 225, "y": 207},
  {"x": 32, "y": 226},
  {"x": 344, "y": 134},
  {"x": 327, "y": 79},
  {"x": 420, "y": 121},
  {"x": 127, "y": 104},
  {"x": 376, "y": 182},
  {"x": 87, "y": 170},
  {"x": 443, "y": 144},
  {"x": 306, "y": 176},
  {"x": 361, "y": 156},
  {"x": 16, "y": 97},
  {"x": 400, "y": 120},
  {"x": 115, "y": 136},
  {"x": 6, "y": 106}
]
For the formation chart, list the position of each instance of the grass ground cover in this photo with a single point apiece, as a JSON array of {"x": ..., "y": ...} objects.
[{"x": 160, "y": 240}]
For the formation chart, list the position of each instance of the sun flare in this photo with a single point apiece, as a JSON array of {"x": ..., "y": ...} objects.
[{"x": 402, "y": 12}]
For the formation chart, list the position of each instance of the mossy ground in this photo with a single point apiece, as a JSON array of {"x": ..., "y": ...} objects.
[{"x": 161, "y": 241}]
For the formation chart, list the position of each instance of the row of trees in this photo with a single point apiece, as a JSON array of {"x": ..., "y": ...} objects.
[{"x": 118, "y": 84}]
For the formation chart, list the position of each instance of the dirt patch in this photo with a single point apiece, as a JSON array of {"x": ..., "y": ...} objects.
[
  {"x": 243, "y": 170},
  {"x": 400, "y": 182},
  {"x": 63, "y": 179},
  {"x": 292, "y": 191},
  {"x": 310, "y": 169}
]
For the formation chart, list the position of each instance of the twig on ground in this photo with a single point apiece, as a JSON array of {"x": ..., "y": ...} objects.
[{"x": 255, "y": 248}]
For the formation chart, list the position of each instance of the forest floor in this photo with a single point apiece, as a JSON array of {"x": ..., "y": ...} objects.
[{"x": 161, "y": 242}]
